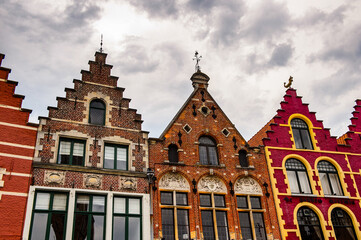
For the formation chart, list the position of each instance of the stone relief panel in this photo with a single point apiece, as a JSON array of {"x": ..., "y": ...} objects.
[
  {"x": 173, "y": 181},
  {"x": 51, "y": 177},
  {"x": 128, "y": 183},
  {"x": 247, "y": 185},
  {"x": 212, "y": 184},
  {"x": 92, "y": 180}
]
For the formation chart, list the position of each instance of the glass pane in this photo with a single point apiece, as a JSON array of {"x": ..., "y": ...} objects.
[
  {"x": 292, "y": 179},
  {"x": 59, "y": 202},
  {"x": 294, "y": 164},
  {"x": 38, "y": 229},
  {"x": 109, "y": 153},
  {"x": 219, "y": 201},
  {"x": 325, "y": 184},
  {"x": 207, "y": 225},
  {"x": 183, "y": 224},
  {"x": 307, "y": 144},
  {"x": 259, "y": 226},
  {"x": 181, "y": 199},
  {"x": 119, "y": 205},
  {"x": 134, "y": 206},
  {"x": 57, "y": 226},
  {"x": 64, "y": 159},
  {"x": 168, "y": 224},
  {"x": 311, "y": 232},
  {"x": 78, "y": 149},
  {"x": 213, "y": 158},
  {"x": 222, "y": 225},
  {"x": 97, "y": 116},
  {"x": 42, "y": 201},
  {"x": 119, "y": 228},
  {"x": 134, "y": 228},
  {"x": 77, "y": 160},
  {"x": 256, "y": 203},
  {"x": 81, "y": 226},
  {"x": 64, "y": 148},
  {"x": 109, "y": 163},
  {"x": 166, "y": 198},
  {"x": 98, "y": 203},
  {"x": 97, "y": 227},
  {"x": 305, "y": 185},
  {"x": 242, "y": 156},
  {"x": 122, "y": 158},
  {"x": 173, "y": 153},
  {"x": 82, "y": 203},
  {"x": 242, "y": 202},
  {"x": 245, "y": 225},
  {"x": 297, "y": 138},
  {"x": 97, "y": 104},
  {"x": 205, "y": 200},
  {"x": 206, "y": 140},
  {"x": 336, "y": 186},
  {"x": 203, "y": 155}
]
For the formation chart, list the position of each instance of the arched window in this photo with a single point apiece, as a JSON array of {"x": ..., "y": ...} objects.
[
  {"x": 297, "y": 176},
  {"x": 329, "y": 178},
  {"x": 242, "y": 156},
  {"x": 97, "y": 112},
  {"x": 309, "y": 224},
  {"x": 342, "y": 224},
  {"x": 207, "y": 151},
  {"x": 173, "y": 153},
  {"x": 301, "y": 134}
]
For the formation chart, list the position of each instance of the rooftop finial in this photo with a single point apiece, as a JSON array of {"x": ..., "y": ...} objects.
[
  {"x": 197, "y": 58},
  {"x": 288, "y": 85},
  {"x": 101, "y": 44}
]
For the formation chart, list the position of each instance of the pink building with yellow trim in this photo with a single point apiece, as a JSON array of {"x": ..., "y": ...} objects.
[{"x": 315, "y": 177}]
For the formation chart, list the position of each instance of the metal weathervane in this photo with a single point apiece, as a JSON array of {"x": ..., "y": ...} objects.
[
  {"x": 101, "y": 44},
  {"x": 288, "y": 85},
  {"x": 197, "y": 58}
]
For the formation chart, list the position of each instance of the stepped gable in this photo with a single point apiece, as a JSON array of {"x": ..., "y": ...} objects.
[{"x": 279, "y": 133}]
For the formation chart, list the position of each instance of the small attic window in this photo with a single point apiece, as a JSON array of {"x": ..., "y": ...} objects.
[
  {"x": 205, "y": 110},
  {"x": 225, "y": 132},
  {"x": 187, "y": 128},
  {"x": 97, "y": 112}
]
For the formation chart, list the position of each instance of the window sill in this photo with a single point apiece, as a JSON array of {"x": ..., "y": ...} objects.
[
  {"x": 211, "y": 166},
  {"x": 336, "y": 196},
  {"x": 245, "y": 168},
  {"x": 174, "y": 163},
  {"x": 303, "y": 195}
]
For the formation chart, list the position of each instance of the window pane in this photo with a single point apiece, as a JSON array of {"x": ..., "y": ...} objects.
[
  {"x": 134, "y": 228},
  {"x": 82, "y": 203},
  {"x": 134, "y": 206},
  {"x": 309, "y": 224},
  {"x": 109, "y": 157},
  {"x": 42, "y": 201},
  {"x": 219, "y": 201},
  {"x": 259, "y": 226},
  {"x": 222, "y": 225},
  {"x": 81, "y": 226},
  {"x": 336, "y": 186},
  {"x": 98, "y": 203},
  {"x": 256, "y": 203},
  {"x": 242, "y": 202},
  {"x": 213, "y": 158},
  {"x": 307, "y": 144},
  {"x": 173, "y": 153},
  {"x": 38, "y": 230},
  {"x": 242, "y": 156},
  {"x": 183, "y": 224},
  {"x": 206, "y": 140},
  {"x": 168, "y": 224},
  {"x": 78, "y": 149},
  {"x": 97, "y": 116},
  {"x": 205, "y": 200},
  {"x": 59, "y": 202},
  {"x": 97, "y": 227},
  {"x": 119, "y": 205},
  {"x": 207, "y": 225},
  {"x": 203, "y": 155},
  {"x": 57, "y": 226},
  {"x": 65, "y": 148},
  {"x": 181, "y": 199},
  {"x": 305, "y": 185},
  {"x": 297, "y": 138},
  {"x": 325, "y": 184},
  {"x": 292, "y": 179},
  {"x": 122, "y": 158},
  {"x": 166, "y": 198},
  {"x": 342, "y": 225},
  {"x": 245, "y": 225},
  {"x": 119, "y": 228}
]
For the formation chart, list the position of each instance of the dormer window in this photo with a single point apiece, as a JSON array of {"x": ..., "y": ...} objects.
[
  {"x": 242, "y": 156},
  {"x": 97, "y": 112},
  {"x": 301, "y": 134},
  {"x": 207, "y": 151},
  {"x": 173, "y": 153}
]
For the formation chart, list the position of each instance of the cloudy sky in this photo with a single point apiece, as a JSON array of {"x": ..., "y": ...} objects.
[{"x": 249, "y": 49}]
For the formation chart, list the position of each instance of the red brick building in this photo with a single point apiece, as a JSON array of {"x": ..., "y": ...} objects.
[
  {"x": 90, "y": 164},
  {"x": 315, "y": 178},
  {"x": 209, "y": 183},
  {"x": 17, "y": 146}
]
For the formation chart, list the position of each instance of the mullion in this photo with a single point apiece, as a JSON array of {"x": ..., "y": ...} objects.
[{"x": 48, "y": 223}]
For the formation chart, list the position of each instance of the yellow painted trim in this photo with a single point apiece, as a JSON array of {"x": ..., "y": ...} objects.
[
  {"x": 314, "y": 151},
  {"x": 309, "y": 172},
  {"x": 321, "y": 219},
  {"x": 340, "y": 173},
  {"x": 350, "y": 213}
]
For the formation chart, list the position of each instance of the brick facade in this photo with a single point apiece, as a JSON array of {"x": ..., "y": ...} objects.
[
  {"x": 17, "y": 146},
  {"x": 279, "y": 140},
  {"x": 201, "y": 116}
]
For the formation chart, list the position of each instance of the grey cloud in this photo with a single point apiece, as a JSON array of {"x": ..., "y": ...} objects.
[
  {"x": 315, "y": 16},
  {"x": 281, "y": 55},
  {"x": 157, "y": 8}
]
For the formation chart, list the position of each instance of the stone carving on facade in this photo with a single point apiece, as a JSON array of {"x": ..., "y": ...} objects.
[
  {"x": 54, "y": 177},
  {"x": 211, "y": 184},
  {"x": 247, "y": 185},
  {"x": 92, "y": 180},
  {"x": 128, "y": 183},
  {"x": 173, "y": 181}
]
